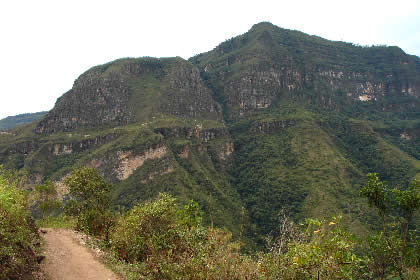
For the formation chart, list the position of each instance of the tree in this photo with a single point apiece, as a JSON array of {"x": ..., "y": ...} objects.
[
  {"x": 48, "y": 198},
  {"x": 393, "y": 248},
  {"x": 90, "y": 202}
]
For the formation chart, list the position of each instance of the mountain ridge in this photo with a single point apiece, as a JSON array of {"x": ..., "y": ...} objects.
[
  {"x": 21, "y": 119},
  {"x": 270, "y": 120}
]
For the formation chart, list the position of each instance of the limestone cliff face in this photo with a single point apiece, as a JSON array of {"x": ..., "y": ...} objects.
[
  {"x": 129, "y": 162},
  {"x": 93, "y": 101},
  {"x": 247, "y": 73},
  {"x": 130, "y": 90},
  {"x": 250, "y": 72},
  {"x": 272, "y": 111},
  {"x": 204, "y": 135},
  {"x": 80, "y": 146},
  {"x": 186, "y": 94}
]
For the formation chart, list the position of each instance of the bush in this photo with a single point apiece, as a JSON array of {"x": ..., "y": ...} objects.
[
  {"x": 396, "y": 249},
  {"x": 172, "y": 244},
  {"x": 146, "y": 229},
  {"x": 90, "y": 202},
  {"x": 47, "y": 197},
  {"x": 17, "y": 231},
  {"x": 322, "y": 251}
]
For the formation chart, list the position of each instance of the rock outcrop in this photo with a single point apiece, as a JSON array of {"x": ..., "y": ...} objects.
[
  {"x": 269, "y": 120},
  {"x": 130, "y": 90},
  {"x": 93, "y": 101},
  {"x": 193, "y": 132},
  {"x": 250, "y": 72},
  {"x": 129, "y": 162}
]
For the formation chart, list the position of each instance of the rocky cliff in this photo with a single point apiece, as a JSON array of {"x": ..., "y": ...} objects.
[
  {"x": 250, "y": 72},
  {"x": 131, "y": 90},
  {"x": 270, "y": 120}
]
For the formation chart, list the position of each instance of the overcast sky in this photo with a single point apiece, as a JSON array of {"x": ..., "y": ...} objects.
[{"x": 46, "y": 45}]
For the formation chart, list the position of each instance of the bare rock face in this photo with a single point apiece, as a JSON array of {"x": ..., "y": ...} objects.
[
  {"x": 130, "y": 90},
  {"x": 129, "y": 162},
  {"x": 186, "y": 94},
  {"x": 255, "y": 89},
  {"x": 272, "y": 111},
  {"x": 204, "y": 135},
  {"x": 93, "y": 101},
  {"x": 59, "y": 149},
  {"x": 252, "y": 71}
]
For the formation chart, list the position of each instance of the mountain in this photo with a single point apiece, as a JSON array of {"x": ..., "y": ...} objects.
[
  {"x": 14, "y": 121},
  {"x": 270, "y": 120}
]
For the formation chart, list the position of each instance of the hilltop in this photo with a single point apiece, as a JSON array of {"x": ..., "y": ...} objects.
[
  {"x": 14, "y": 121},
  {"x": 271, "y": 119}
]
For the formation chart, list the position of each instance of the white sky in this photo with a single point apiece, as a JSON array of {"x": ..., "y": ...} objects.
[{"x": 46, "y": 45}]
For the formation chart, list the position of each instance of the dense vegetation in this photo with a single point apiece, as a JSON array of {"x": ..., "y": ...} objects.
[
  {"x": 268, "y": 122},
  {"x": 14, "y": 121},
  {"x": 18, "y": 234},
  {"x": 159, "y": 239}
]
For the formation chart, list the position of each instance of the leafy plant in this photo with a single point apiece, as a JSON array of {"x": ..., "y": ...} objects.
[
  {"x": 394, "y": 249},
  {"x": 47, "y": 196},
  {"x": 168, "y": 243},
  {"x": 90, "y": 202},
  {"x": 17, "y": 231},
  {"x": 323, "y": 250}
]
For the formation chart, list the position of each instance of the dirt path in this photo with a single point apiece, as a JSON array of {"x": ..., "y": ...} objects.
[{"x": 67, "y": 259}]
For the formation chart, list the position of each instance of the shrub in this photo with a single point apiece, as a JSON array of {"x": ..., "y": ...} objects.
[
  {"x": 90, "y": 202},
  {"x": 47, "y": 197},
  {"x": 17, "y": 231},
  {"x": 323, "y": 251},
  {"x": 172, "y": 244},
  {"x": 396, "y": 249}
]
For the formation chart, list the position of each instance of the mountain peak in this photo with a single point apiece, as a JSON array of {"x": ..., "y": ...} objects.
[
  {"x": 272, "y": 111},
  {"x": 263, "y": 25}
]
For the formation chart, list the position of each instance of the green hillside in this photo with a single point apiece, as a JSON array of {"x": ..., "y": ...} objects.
[
  {"x": 14, "y": 121},
  {"x": 267, "y": 121}
]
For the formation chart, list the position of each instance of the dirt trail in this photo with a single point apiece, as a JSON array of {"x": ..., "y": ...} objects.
[{"x": 67, "y": 259}]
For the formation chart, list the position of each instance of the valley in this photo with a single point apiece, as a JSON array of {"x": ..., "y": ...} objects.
[{"x": 271, "y": 120}]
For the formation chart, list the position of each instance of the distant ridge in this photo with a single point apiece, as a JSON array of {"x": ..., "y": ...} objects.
[{"x": 14, "y": 121}]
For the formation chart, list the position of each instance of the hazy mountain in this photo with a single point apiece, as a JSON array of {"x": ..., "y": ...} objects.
[{"x": 14, "y": 121}]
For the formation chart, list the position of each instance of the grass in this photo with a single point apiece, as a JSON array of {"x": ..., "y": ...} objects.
[{"x": 60, "y": 221}]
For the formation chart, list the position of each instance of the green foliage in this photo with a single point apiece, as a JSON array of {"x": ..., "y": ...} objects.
[
  {"x": 59, "y": 221},
  {"x": 364, "y": 147},
  {"x": 17, "y": 231},
  {"x": 323, "y": 250},
  {"x": 377, "y": 194},
  {"x": 166, "y": 243},
  {"x": 260, "y": 168},
  {"x": 161, "y": 242},
  {"x": 47, "y": 197},
  {"x": 395, "y": 249},
  {"x": 191, "y": 216},
  {"x": 158, "y": 240},
  {"x": 408, "y": 200},
  {"x": 90, "y": 201},
  {"x": 145, "y": 226},
  {"x": 14, "y": 121}
]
